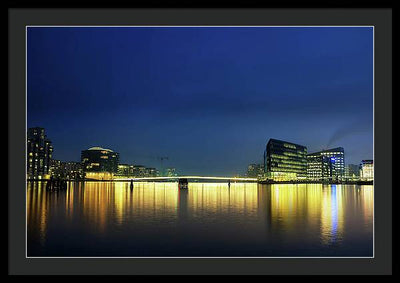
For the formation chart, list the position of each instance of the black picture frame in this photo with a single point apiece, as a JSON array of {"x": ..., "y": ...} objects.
[{"x": 20, "y": 17}]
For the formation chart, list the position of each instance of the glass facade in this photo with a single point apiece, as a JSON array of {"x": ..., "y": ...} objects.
[
  {"x": 336, "y": 156},
  {"x": 285, "y": 161},
  {"x": 319, "y": 168}
]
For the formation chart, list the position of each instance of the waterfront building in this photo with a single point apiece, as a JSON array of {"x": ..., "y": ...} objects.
[
  {"x": 285, "y": 161},
  {"x": 124, "y": 170},
  {"x": 336, "y": 156},
  {"x": 319, "y": 168},
  {"x": 72, "y": 170},
  {"x": 39, "y": 154},
  {"x": 152, "y": 172},
  {"x": 170, "y": 172},
  {"x": 56, "y": 169},
  {"x": 352, "y": 172},
  {"x": 66, "y": 170},
  {"x": 138, "y": 171},
  {"x": 131, "y": 170},
  {"x": 99, "y": 163},
  {"x": 255, "y": 171},
  {"x": 367, "y": 170}
]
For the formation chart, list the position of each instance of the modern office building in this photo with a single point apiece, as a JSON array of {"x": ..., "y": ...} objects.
[
  {"x": 99, "y": 163},
  {"x": 39, "y": 151},
  {"x": 367, "y": 170},
  {"x": 255, "y": 170},
  {"x": 285, "y": 161},
  {"x": 352, "y": 172},
  {"x": 336, "y": 156},
  {"x": 319, "y": 168}
]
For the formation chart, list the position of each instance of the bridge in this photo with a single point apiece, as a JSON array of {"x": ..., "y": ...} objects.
[{"x": 192, "y": 178}]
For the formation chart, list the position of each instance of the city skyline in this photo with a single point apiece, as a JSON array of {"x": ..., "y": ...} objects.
[
  {"x": 139, "y": 164},
  {"x": 105, "y": 87},
  {"x": 283, "y": 161}
]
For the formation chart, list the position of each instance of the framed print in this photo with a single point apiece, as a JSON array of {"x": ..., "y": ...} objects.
[{"x": 200, "y": 141}]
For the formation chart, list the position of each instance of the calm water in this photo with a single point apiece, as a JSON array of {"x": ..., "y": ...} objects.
[{"x": 208, "y": 219}]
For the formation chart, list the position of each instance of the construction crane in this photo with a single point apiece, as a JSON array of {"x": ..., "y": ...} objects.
[{"x": 162, "y": 158}]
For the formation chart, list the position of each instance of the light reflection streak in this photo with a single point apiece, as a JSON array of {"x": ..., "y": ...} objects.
[
  {"x": 221, "y": 198},
  {"x": 332, "y": 215},
  {"x": 296, "y": 206},
  {"x": 289, "y": 210}
]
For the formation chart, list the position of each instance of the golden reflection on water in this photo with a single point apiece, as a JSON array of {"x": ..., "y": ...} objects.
[
  {"x": 332, "y": 212},
  {"x": 156, "y": 200},
  {"x": 306, "y": 209},
  {"x": 37, "y": 209},
  {"x": 296, "y": 207},
  {"x": 221, "y": 198},
  {"x": 103, "y": 202},
  {"x": 288, "y": 209},
  {"x": 368, "y": 202}
]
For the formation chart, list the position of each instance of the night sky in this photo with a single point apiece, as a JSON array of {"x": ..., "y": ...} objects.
[{"x": 207, "y": 98}]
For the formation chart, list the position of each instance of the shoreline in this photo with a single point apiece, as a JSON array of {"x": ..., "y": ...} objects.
[{"x": 258, "y": 182}]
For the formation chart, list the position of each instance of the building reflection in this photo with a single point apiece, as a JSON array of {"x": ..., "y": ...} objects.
[
  {"x": 97, "y": 201},
  {"x": 114, "y": 203},
  {"x": 155, "y": 199},
  {"x": 332, "y": 214},
  {"x": 367, "y": 196},
  {"x": 314, "y": 209},
  {"x": 306, "y": 212},
  {"x": 222, "y": 198},
  {"x": 38, "y": 210}
]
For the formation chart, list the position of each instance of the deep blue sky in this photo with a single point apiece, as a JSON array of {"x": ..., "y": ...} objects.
[{"x": 208, "y": 98}]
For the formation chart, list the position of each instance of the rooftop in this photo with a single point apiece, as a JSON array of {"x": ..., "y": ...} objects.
[{"x": 100, "y": 148}]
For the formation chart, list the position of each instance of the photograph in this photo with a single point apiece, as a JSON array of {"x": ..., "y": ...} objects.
[{"x": 199, "y": 141}]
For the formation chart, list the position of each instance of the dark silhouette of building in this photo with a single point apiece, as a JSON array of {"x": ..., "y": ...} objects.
[
  {"x": 170, "y": 172},
  {"x": 39, "y": 151},
  {"x": 352, "y": 172},
  {"x": 152, "y": 172},
  {"x": 255, "y": 171}
]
